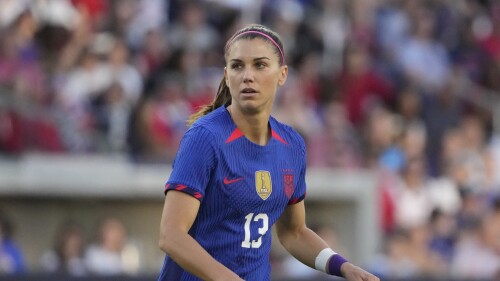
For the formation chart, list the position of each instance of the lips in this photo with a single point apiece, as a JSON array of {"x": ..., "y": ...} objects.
[{"x": 248, "y": 91}]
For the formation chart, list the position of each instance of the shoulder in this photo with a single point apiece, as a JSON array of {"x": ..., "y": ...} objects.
[
  {"x": 287, "y": 133},
  {"x": 213, "y": 121},
  {"x": 210, "y": 127}
]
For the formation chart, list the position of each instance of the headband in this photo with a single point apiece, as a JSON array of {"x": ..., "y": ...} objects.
[{"x": 261, "y": 34}]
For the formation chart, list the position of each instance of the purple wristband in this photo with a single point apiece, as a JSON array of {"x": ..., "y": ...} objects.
[{"x": 334, "y": 264}]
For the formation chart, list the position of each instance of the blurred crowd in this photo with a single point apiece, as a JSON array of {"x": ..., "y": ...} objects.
[
  {"x": 406, "y": 87},
  {"x": 73, "y": 253}
]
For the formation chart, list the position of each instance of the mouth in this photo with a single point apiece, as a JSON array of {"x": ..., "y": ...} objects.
[{"x": 248, "y": 91}]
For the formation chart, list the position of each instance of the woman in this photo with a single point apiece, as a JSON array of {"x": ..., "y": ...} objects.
[
  {"x": 67, "y": 256},
  {"x": 237, "y": 172}
]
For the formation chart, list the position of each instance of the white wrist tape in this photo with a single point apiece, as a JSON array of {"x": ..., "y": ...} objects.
[{"x": 322, "y": 259}]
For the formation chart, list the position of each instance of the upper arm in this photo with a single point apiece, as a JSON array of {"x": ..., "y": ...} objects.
[
  {"x": 292, "y": 221},
  {"x": 179, "y": 212}
]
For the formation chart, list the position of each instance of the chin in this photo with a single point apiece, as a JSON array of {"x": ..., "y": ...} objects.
[{"x": 251, "y": 107}]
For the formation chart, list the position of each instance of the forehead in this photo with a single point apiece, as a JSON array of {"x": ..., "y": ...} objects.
[{"x": 251, "y": 48}]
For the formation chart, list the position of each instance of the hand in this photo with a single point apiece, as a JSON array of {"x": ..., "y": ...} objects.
[{"x": 355, "y": 273}]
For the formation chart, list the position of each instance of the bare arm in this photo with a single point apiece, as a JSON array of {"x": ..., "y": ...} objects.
[
  {"x": 305, "y": 245},
  {"x": 296, "y": 237},
  {"x": 179, "y": 213}
]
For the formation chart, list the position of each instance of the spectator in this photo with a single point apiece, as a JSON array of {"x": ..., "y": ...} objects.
[
  {"x": 337, "y": 145},
  {"x": 361, "y": 88},
  {"x": 111, "y": 112},
  {"x": 494, "y": 150},
  {"x": 409, "y": 106},
  {"x": 333, "y": 26},
  {"x": 90, "y": 77},
  {"x": 190, "y": 32},
  {"x": 154, "y": 53},
  {"x": 67, "y": 255},
  {"x": 161, "y": 121},
  {"x": 413, "y": 141},
  {"x": 393, "y": 26},
  {"x": 394, "y": 261},
  {"x": 475, "y": 157},
  {"x": 429, "y": 263},
  {"x": 362, "y": 14},
  {"x": 112, "y": 255},
  {"x": 424, "y": 60},
  {"x": 491, "y": 40},
  {"x": 309, "y": 77},
  {"x": 11, "y": 138},
  {"x": 413, "y": 203},
  {"x": 473, "y": 258},
  {"x": 123, "y": 72},
  {"x": 447, "y": 108},
  {"x": 444, "y": 191},
  {"x": 383, "y": 135},
  {"x": 11, "y": 256},
  {"x": 149, "y": 15},
  {"x": 83, "y": 83},
  {"x": 443, "y": 229}
]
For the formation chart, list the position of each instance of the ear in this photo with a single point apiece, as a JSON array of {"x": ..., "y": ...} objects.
[
  {"x": 225, "y": 75},
  {"x": 283, "y": 75}
]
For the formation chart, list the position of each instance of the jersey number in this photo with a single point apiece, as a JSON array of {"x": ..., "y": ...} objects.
[{"x": 262, "y": 230}]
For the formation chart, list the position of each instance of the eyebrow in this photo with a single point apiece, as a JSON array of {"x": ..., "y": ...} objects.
[{"x": 255, "y": 59}]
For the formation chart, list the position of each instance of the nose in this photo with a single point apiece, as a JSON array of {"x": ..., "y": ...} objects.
[{"x": 248, "y": 76}]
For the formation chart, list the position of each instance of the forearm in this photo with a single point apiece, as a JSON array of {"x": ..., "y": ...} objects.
[
  {"x": 189, "y": 254},
  {"x": 306, "y": 246},
  {"x": 303, "y": 244}
]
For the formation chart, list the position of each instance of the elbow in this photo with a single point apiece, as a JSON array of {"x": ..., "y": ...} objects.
[
  {"x": 287, "y": 237},
  {"x": 166, "y": 243},
  {"x": 172, "y": 239}
]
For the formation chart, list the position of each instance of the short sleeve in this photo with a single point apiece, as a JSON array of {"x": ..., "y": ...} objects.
[
  {"x": 300, "y": 189},
  {"x": 194, "y": 163}
]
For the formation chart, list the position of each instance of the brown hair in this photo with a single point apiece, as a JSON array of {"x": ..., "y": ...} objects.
[{"x": 223, "y": 96}]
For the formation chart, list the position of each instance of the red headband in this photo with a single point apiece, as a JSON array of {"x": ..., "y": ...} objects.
[{"x": 262, "y": 34}]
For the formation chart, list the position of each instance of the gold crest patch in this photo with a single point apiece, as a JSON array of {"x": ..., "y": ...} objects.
[{"x": 263, "y": 184}]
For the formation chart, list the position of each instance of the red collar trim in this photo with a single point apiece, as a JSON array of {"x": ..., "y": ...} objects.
[
  {"x": 276, "y": 136},
  {"x": 236, "y": 134}
]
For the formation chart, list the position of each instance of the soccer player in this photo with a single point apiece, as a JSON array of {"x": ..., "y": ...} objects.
[{"x": 237, "y": 172}]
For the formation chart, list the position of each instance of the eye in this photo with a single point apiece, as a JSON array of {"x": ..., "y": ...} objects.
[
  {"x": 260, "y": 65},
  {"x": 236, "y": 65}
]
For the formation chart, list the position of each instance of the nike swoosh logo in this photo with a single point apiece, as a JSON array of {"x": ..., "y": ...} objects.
[{"x": 228, "y": 181}]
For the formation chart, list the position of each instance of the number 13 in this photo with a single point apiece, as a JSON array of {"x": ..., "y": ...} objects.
[{"x": 262, "y": 230}]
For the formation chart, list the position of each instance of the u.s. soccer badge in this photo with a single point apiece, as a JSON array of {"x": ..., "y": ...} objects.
[
  {"x": 263, "y": 184},
  {"x": 289, "y": 187}
]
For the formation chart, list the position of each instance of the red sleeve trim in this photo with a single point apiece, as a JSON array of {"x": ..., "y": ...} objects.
[
  {"x": 183, "y": 188},
  {"x": 296, "y": 200}
]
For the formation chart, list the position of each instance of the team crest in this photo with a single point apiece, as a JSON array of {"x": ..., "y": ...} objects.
[
  {"x": 263, "y": 184},
  {"x": 289, "y": 187}
]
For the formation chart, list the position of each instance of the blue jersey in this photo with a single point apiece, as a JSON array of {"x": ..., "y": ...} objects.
[{"x": 243, "y": 189}]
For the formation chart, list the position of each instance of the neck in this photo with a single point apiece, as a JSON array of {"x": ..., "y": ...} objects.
[{"x": 255, "y": 127}]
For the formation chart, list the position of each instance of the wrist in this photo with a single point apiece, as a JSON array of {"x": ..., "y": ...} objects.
[
  {"x": 344, "y": 268},
  {"x": 330, "y": 262},
  {"x": 337, "y": 265}
]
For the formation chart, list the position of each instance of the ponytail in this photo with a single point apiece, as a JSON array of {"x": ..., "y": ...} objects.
[{"x": 223, "y": 97}]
